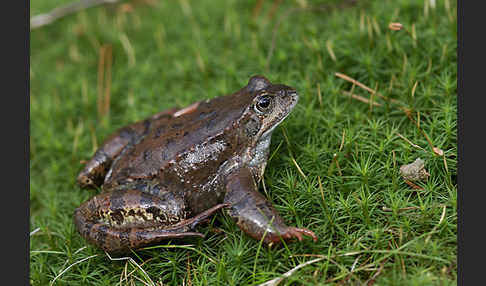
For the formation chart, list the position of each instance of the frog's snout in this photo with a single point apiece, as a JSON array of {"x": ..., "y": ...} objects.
[{"x": 292, "y": 96}]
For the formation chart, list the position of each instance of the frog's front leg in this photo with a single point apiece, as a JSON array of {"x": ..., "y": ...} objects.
[
  {"x": 121, "y": 220},
  {"x": 96, "y": 168},
  {"x": 254, "y": 214}
]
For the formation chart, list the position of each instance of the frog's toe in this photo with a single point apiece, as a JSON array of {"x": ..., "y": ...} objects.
[{"x": 294, "y": 232}]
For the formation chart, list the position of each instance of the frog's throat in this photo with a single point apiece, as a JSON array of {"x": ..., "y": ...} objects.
[{"x": 261, "y": 150}]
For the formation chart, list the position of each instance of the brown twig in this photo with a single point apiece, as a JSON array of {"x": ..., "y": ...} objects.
[
  {"x": 385, "y": 209},
  {"x": 353, "y": 81},
  {"x": 59, "y": 12},
  {"x": 101, "y": 75},
  {"x": 342, "y": 141},
  {"x": 361, "y": 98},
  {"x": 298, "y": 168},
  {"x": 334, "y": 158},
  {"x": 188, "y": 272},
  {"x": 363, "y": 86},
  {"x": 257, "y": 8},
  {"x": 104, "y": 80},
  {"x": 274, "y": 8},
  {"x": 107, "y": 92},
  {"x": 436, "y": 150},
  {"x": 414, "y": 88},
  {"x": 414, "y": 186},
  {"x": 319, "y": 95},
  {"x": 330, "y": 50},
  {"x": 94, "y": 142},
  {"x": 410, "y": 142}
]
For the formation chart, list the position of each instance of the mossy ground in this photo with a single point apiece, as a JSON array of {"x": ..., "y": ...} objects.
[{"x": 160, "y": 54}]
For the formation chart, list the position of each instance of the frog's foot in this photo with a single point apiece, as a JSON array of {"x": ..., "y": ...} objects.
[
  {"x": 294, "y": 232},
  {"x": 288, "y": 234}
]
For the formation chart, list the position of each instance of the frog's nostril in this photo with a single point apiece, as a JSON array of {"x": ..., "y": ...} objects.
[{"x": 292, "y": 93}]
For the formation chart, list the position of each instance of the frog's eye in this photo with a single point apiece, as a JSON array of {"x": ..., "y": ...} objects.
[{"x": 263, "y": 103}]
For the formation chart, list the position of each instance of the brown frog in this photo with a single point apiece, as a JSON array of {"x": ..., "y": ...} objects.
[{"x": 161, "y": 176}]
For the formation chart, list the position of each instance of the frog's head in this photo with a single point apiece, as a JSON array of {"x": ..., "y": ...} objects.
[{"x": 271, "y": 104}]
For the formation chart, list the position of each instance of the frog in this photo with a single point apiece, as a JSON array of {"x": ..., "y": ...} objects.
[{"x": 162, "y": 176}]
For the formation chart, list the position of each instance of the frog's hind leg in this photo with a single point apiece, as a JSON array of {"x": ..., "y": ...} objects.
[
  {"x": 123, "y": 220},
  {"x": 97, "y": 167},
  {"x": 112, "y": 239}
]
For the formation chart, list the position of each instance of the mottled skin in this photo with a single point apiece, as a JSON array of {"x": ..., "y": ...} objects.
[{"x": 161, "y": 176}]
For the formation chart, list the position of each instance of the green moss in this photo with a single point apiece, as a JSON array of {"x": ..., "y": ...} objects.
[{"x": 172, "y": 53}]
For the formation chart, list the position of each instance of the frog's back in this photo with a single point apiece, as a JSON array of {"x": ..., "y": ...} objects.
[{"x": 196, "y": 139}]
